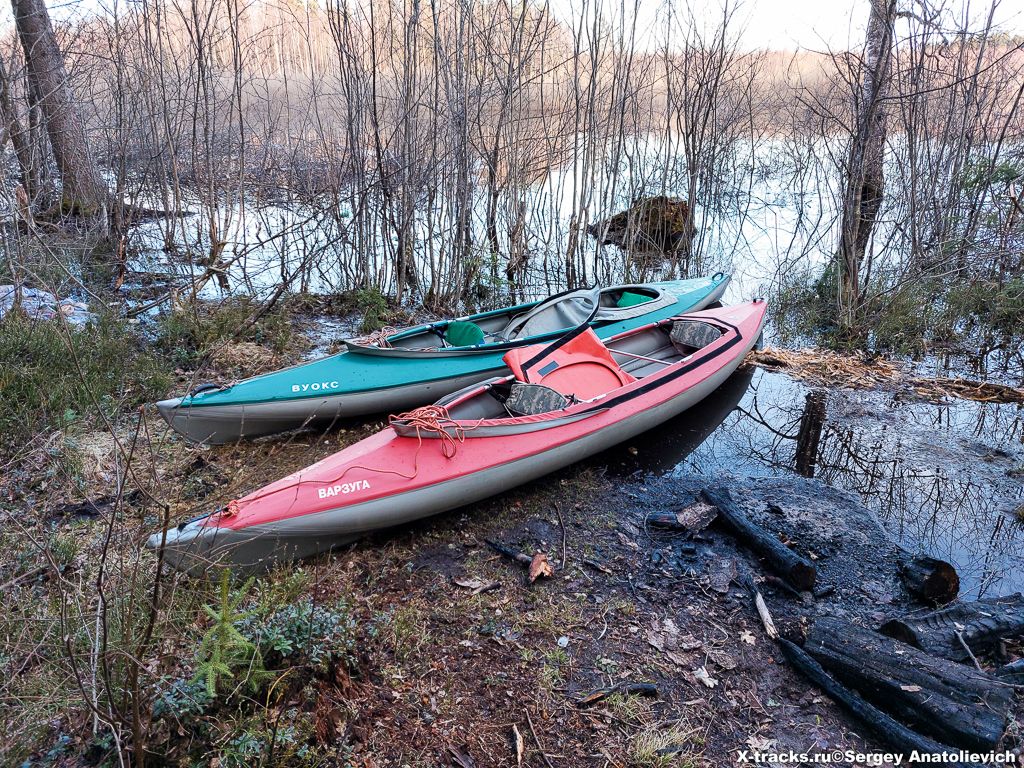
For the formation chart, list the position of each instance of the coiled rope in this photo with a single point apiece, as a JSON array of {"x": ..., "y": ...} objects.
[
  {"x": 435, "y": 418},
  {"x": 378, "y": 338}
]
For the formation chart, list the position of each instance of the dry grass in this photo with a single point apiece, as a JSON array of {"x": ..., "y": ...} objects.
[{"x": 835, "y": 369}]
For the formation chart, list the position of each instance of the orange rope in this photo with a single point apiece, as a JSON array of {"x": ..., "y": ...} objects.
[
  {"x": 435, "y": 418},
  {"x": 378, "y": 338}
]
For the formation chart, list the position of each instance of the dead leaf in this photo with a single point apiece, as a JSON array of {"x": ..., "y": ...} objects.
[
  {"x": 477, "y": 585},
  {"x": 761, "y": 744},
  {"x": 663, "y": 634},
  {"x": 722, "y": 659},
  {"x": 678, "y": 659},
  {"x": 688, "y": 643},
  {"x": 520, "y": 744},
  {"x": 702, "y": 675},
  {"x": 747, "y": 637},
  {"x": 540, "y": 566}
]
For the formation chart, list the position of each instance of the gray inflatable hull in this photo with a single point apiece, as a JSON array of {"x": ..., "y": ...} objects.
[{"x": 219, "y": 424}]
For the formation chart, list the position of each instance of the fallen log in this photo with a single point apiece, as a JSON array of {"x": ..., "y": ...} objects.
[
  {"x": 1012, "y": 673},
  {"x": 690, "y": 520},
  {"x": 934, "y": 581},
  {"x": 957, "y": 631},
  {"x": 797, "y": 570},
  {"x": 951, "y": 702},
  {"x": 889, "y": 730}
]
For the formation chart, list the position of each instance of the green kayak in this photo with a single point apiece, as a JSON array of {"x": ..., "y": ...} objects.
[{"x": 396, "y": 370}]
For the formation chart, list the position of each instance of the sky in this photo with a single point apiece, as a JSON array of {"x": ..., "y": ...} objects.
[
  {"x": 772, "y": 24},
  {"x": 814, "y": 25}
]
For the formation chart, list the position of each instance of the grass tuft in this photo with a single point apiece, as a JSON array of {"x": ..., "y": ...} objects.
[{"x": 54, "y": 376}]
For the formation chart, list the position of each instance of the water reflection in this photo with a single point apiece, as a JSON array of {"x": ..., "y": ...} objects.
[
  {"x": 942, "y": 478},
  {"x": 662, "y": 449},
  {"x": 808, "y": 437}
]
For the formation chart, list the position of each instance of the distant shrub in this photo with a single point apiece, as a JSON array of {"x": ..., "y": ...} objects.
[
  {"x": 186, "y": 335},
  {"x": 374, "y": 307}
]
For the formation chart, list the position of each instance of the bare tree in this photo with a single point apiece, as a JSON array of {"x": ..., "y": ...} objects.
[
  {"x": 865, "y": 182},
  {"x": 84, "y": 191}
]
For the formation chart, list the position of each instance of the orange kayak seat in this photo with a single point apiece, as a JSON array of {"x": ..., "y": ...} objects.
[{"x": 578, "y": 366}]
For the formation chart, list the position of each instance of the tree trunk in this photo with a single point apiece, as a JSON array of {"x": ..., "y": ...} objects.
[
  {"x": 865, "y": 180},
  {"x": 10, "y": 124},
  {"x": 84, "y": 191}
]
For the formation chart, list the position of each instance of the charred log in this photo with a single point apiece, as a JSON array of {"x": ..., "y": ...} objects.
[
  {"x": 797, "y": 570},
  {"x": 953, "y": 703},
  {"x": 934, "y": 581},
  {"x": 689, "y": 520},
  {"x": 1012, "y": 673},
  {"x": 892, "y": 732},
  {"x": 950, "y": 632}
]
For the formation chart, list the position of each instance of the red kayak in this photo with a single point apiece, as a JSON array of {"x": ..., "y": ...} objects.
[{"x": 565, "y": 401}]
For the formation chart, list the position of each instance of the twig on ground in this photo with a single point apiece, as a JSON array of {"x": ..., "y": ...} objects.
[
  {"x": 536, "y": 739},
  {"x": 561, "y": 523},
  {"x": 967, "y": 648}
]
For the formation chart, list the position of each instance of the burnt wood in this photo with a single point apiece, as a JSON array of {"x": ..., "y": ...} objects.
[
  {"x": 953, "y": 703},
  {"x": 889, "y": 730},
  {"x": 797, "y": 570},
  {"x": 931, "y": 580},
  {"x": 1012, "y": 673},
  {"x": 981, "y": 624}
]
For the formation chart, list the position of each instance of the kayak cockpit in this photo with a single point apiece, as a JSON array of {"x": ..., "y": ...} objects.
[
  {"x": 510, "y": 327},
  {"x": 547, "y": 381}
]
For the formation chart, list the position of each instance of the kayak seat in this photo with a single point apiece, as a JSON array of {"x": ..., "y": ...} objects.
[
  {"x": 688, "y": 336},
  {"x": 462, "y": 333},
  {"x": 581, "y": 367},
  {"x": 534, "y": 400},
  {"x": 558, "y": 313},
  {"x": 631, "y": 299}
]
